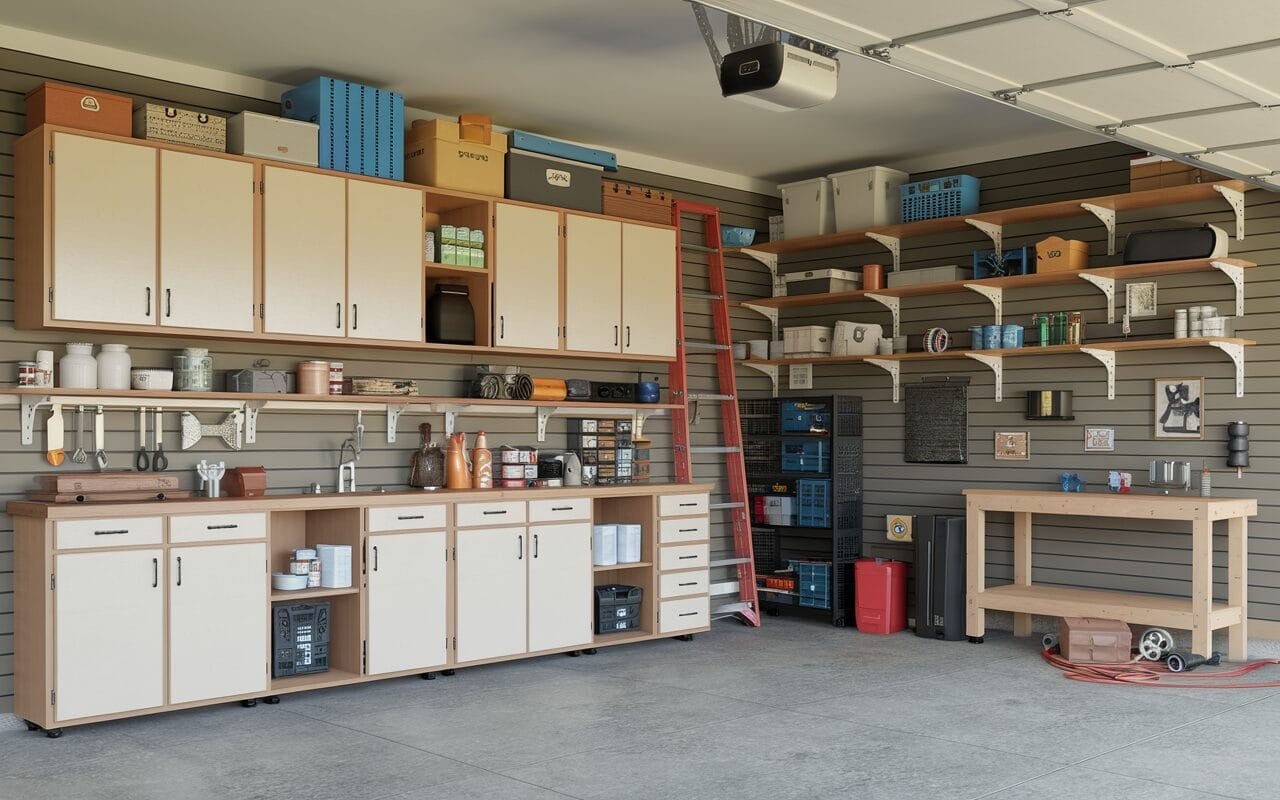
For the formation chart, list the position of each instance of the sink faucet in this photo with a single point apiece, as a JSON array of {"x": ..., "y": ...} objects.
[{"x": 347, "y": 465}]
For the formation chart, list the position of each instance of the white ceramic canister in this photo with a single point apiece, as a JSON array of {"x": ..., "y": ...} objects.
[
  {"x": 1180, "y": 323},
  {"x": 114, "y": 364},
  {"x": 78, "y": 369},
  {"x": 1194, "y": 325},
  {"x": 44, "y": 368}
]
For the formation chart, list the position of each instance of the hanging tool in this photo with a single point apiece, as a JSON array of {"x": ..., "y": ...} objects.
[
  {"x": 230, "y": 430},
  {"x": 100, "y": 438},
  {"x": 159, "y": 461},
  {"x": 211, "y": 477},
  {"x": 142, "y": 461},
  {"x": 55, "y": 455},
  {"x": 80, "y": 456},
  {"x": 347, "y": 466}
]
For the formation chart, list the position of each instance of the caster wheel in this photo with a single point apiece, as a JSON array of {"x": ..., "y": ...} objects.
[
  {"x": 591, "y": 651},
  {"x": 31, "y": 726},
  {"x": 685, "y": 637},
  {"x": 1155, "y": 644},
  {"x": 428, "y": 676},
  {"x": 839, "y": 623},
  {"x": 273, "y": 700},
  {"x": 773, "y": 612},
  {"x": 248, "y": 703},
  {"x": 573, "y": 653},
  {"x": 55, "y": 733},
  {"x": 976, "y": 640},
  {"x": 448, "y": 673}
]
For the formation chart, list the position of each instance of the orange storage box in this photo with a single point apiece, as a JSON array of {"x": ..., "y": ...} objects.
[
  {"x": 76, "y": 107},
  {"x": 880, "y": 595},
  {"x": 1056, "y": 254}
]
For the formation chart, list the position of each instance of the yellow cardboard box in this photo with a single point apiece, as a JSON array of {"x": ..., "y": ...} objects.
[{"x": 435, "y": 155}]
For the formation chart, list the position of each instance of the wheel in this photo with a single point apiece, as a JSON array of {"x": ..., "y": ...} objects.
[
  {"x": 1155, "y": 644},
  {"x": 54, "y": 733},
  {"x": 976, "y": 640},
  {"x": 685, "y": 637},
  {"x": 1049, "y": 641},
  {"x": 248, "y": 703},
  {"x": 591, "y": 651},
  {"x": 448, "y": 673},
  {"x": 273, "y": 700},
  {"x": 1176, "y": 662},
  {"x": 573, "y": 653},
  {"x": 31, "y": 726},
  {"x": 428, "y": 676}
]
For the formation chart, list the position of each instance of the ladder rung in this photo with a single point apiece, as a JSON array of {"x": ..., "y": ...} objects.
[
  {"x": 699, "y": 248},
  {"x": 729, "y": 608},
  {"x": 715, "y": 449},
  {"x": 688, "y": 345},
  {"x": 692, "y": 295},
  {"x": 729, "y": 562},
  {"x": 721, "y": 506},
  {"x": 695, "y": 396}
]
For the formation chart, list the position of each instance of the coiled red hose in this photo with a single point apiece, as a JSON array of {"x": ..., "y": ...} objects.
[{"x": 1152, "y": 673}]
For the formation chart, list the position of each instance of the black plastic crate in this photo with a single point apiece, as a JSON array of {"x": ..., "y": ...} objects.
[
  {"x": 764, "y": 546},
  {"x": 618, "y": 607},
  {"x": 618, "y": 625},
  {"x": 299, "y": 638},
  {"x": 759, "y": 417},
  {"x": 612, "y": 613}
]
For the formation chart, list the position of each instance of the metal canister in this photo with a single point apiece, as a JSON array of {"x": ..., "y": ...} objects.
[
  {"x": 26, "y": 373},
  {"x": 1042, "y": 320},
  {"x": 313, "y": 377},
  {"x": 975, "y": 337},
  {"x": 1061, "y": 319},
  {"x": 1075, "y": 328},
  {"x": 335, "y": 377}
]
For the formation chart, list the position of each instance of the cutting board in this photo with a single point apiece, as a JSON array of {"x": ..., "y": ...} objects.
[
  {"x": 121, "y": 481},
  {"x": 107, "y": 497}
]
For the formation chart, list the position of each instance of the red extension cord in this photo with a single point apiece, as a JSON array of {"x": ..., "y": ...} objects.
[{"x": 1152, "y": 673}]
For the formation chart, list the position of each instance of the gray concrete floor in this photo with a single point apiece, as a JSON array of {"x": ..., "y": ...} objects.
[{"x": 793, "y": 710}]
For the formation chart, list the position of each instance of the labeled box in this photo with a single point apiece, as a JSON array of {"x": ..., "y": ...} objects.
[{"x": 180, "y": 126}]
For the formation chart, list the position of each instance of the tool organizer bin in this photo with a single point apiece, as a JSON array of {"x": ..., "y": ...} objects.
[
  {"x": 300, "y": 638},
  {"x": 618, "y": 607},
  {"x": 806, "y": 455},
  {"x": 813, "y": 583},
  {"x": 940, "y": 197}
]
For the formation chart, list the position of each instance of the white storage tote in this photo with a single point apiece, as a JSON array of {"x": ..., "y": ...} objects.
[
  {"x": 807, "y": 208},
  {"x": 604, "y": 545},
  {"x": 867, "y": 197},
  {"x": 855, "y": 338},
  {"x": 807, "y": 340},
  {"x": 628, "y": 544}
]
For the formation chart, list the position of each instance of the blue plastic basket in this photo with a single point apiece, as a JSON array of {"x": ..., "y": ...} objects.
[
  {"x": 361, "y": 127},
  {"x": 813, "y": 583},
  {"x": 806, "y": 455},
  {"x": 941, "y": 197},
  {"x": 813, "y": 503},
  {"x": 734, "y": 236}
]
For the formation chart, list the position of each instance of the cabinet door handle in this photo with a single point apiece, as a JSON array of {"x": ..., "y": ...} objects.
[
  {"x": 230, "y": 527},
  {"x": 148, "y": 301},
  {"x": 488, "y": 513},
  {"x": 168, "y": 302},
  {"x": 520, "y": 545},
  {"x": 339, "y": 325},
  {"x": 689, "y": 583},
  {"x": 412, "y": 516},
  {"x": 628, "y": 336},
  {"x": 615, "y": 335},
  {"x": 355, "y": 316},
  {"x": 685, "y": 558},
  {"x": 375, "y": 558},
  {"x": 535, "y": 545},
  {"x": 111, "y": 533},
  {"x": 502, "y": 326},
  {"x": 689, "y": 614},
  {"x": 687, "y": 530},
  {"x": 155, "y": 573},
  {"x": 562, "y": 508},
  {"x": 179, "y": 570}
]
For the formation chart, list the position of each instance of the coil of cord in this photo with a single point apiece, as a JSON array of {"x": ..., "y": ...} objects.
[
  {"x": 488, "y": 386},
  {"x": 521, "y": 386}
]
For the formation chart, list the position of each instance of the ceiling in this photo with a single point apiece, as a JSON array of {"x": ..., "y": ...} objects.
[{"x": 634, "y": 76}]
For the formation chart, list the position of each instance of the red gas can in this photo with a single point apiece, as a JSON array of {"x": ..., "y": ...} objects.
[{"x": 880, "y": 595}]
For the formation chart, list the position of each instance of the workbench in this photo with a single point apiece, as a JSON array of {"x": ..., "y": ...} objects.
[{"x": 1199, "y": 614}]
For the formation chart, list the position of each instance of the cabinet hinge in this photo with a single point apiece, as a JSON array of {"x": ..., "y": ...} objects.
[
  {"x": 53, "y": 697},
  {"x": 364, "y": 656},
  {"x": 52, "y": 582},
  {"x": 50, "y": 155},
  {"x": 262, "y": 187},
  {"x": 50, "y": 294}
]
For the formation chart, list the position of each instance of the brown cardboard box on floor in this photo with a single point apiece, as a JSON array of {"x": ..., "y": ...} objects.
[{"x": 1085, "y": 640}]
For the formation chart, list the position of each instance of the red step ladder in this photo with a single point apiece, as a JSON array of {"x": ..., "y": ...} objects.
[{"x": 745, "y": 604}]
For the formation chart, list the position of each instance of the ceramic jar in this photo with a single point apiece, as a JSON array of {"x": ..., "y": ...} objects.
[
  {"x": 114, "y": 364},
  {"x": 193, "y": 370},
  {"x": 313, "y": 377},
  {"x": 78, "y": 369}
]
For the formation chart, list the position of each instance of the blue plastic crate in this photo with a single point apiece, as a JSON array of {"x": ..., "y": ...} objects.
[
  {"x": 806, "y": 455},
  {"x": 1019, "y": 261},
  {"x": 805, "y": 417},
  {"x": 941, "y": 197},
  {"x": 813, "y": 583},
  {"x": 533, "y": 143},
  {"x": 813, "y": 503},
  {"x": 361, "y": 127}
]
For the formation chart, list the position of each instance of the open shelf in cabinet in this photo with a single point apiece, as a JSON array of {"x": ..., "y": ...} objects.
[
  {"x": 285, "y": 595},
  {"x": 640, "y": 511},
  {"x": 623, "y": 567}
]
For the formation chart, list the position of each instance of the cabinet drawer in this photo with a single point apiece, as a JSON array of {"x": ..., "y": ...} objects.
[
  {"x": 121, "y": 532},
  {"x": 488, "y": 513},
  {"x": 213, "y": 527},
  {"x": 555, "y": 510},
  {"x": 684, "y": 530},
  {"x": 685, "y": 556},
  {"x": 682, "y": 584},
  {"x": 681, "y": 505},
  {"x": 681, "y": 615},
  {"x": 406, "y": 518}
]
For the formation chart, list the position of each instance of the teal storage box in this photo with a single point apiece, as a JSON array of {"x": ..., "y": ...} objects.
[
  {"x": 533, "y": 143},
  {"x": 361, "y": 127}
]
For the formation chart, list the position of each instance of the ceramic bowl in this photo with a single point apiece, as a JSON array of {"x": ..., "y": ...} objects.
[
  {"x": 152, "y": 380},
  {"x": 283, "y": 580}
]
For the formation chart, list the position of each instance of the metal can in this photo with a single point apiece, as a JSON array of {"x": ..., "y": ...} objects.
[
  {"x": 300, "y": 567},
  {"x": 335, "y": 377},
  {"x": 44, "y": 368},
  {"x": 1061, "y": 319},
  {"x": 1042, "y": 320},
  {"x": 26, "y": 373},
  {"x": 1075, "y": 328}
]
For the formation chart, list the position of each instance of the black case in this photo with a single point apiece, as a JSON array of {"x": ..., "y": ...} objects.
[
  {"x": 1170, "y": 244},
  {"x": 940, "y": 577},
  {"x": 613, "y": 392},
  {"x": 450, "y": 317},
  {"x": 552, "y": 181}
]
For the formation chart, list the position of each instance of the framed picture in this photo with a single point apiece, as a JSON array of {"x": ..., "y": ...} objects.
[
  {"x": 1140, "y": 300},
  {"x": 1099, "y": 440},
  {"x": 1179, "y": 408},
  {"x": 1012, "y": 446}
]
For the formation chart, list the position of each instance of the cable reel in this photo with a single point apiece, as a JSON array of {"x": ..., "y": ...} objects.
[{"x": 1155, "y": 644}]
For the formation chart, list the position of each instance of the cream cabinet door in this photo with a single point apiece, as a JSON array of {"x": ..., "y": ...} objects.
[
  {"x": 104, "y": 231},
  {"x": 218, "y": 616},
  {"x": 408, "y": 601},
  {"x": 490, "y": 584},
  {"x": 206, "y": 242},
  {"x": 649, "y": 267},
  {"x": 304, "y": 249},
  {"x": 560, "y": 581},
  {"x": 109, "y": 632},
  {"x": 592, "y": 284},
  {"x": 385, "y": 288},
  {"x": 526, "y": 291}
]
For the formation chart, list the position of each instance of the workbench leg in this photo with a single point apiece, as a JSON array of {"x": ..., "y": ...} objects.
[
  {"x": 1201, "y": 584},
  {"x": 1238, "y": 586},
  {"x": 975, "y": 527},
  {"x": 1022, "y": 566}
]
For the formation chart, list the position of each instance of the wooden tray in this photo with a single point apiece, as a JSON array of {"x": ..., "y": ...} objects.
[
  {"x": 97, "y": 482},
  {"x": 107, "y": 497}
]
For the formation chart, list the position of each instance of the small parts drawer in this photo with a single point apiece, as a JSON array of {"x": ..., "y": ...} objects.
[
  {"x": 214, "y": 527},
  {"x": 681, "y": 615},
  {"x": 685, "y": 556},
  {"x": 406, "y": 518},
  {"x": 683, "y": 505},
  {"x": 556, "y": 510},
  {"x": 489, "y": 513},
  {"x": 123, "y": 532},
  {"x": 694, "y": 529},
  {"x": 683, "y": 584}
]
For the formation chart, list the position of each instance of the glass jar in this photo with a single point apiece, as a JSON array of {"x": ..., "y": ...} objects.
[
  {"x": 193, "y": 370},
  {"x": 78, "y": 369},
  {"x": 114, "y": 364},
  {"x": 426, "y": 468}
]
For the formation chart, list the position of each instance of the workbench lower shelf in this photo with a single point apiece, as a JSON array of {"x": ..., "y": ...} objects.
[{"x": 1138, "y": 609}]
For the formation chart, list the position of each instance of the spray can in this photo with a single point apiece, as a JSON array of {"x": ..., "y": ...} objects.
[{"x": 1204, "y": 480}]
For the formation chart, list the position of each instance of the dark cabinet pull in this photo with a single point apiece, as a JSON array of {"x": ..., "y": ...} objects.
[
  {"x": 687, "y": 505},
  {"x": 502, "y": 326},
  {"x": 688, "y": 530},
  {"x": 339, "y": 305},
  {"x": 355, "y": 316},
  {"x": 689, "y": 583},
  {"x": 168, "y": 302},
  {"x": 628, "y": 336},
  {"x": 520, "y": 545},
  {"x": 412, "y": 516},
  {"x": 375, "y": 558},
  {"x": 488, "y": 513},
  {"x": 684, "y": 558},
  {"x": 230, "y": 527},
  {"x": 615, "y": 335},
  {"x": 111, "y": 533},
  {"x": 155, "y": 572},
  {"x": 689, "y": 614},
  {"x": 562, "y": 508},
  {"x": 148, "y": 301},
  {"x": 535, "y": 545},
  {"x": 179, "y": 570}
]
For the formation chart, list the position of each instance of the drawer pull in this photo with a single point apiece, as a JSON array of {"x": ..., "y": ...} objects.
[
  {"x": 687, "y": 505},
  {"x": 490, "y": 513},
  {"x": 520, "y": 547},
  {"x": 411, "y": 516},
  {"x": 562, "y": 508},
  {"x": 687, "y": 530},
  {"x": 688, "y": 583},
  {"x": 179, "y": 570},
  {"x": 689, "y": 614},
  {"x": 111, "y": 533},
  {"x": 686, "y": 558},
  {"x": 230, "y": 527}
]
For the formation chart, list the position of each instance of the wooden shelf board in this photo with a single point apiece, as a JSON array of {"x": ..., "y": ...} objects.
[
  {"x": 315, "y": 680},
  {"x": 626, "y": 637},
  {"x": 630, "y": 565},
  {"x": 436, "y": 270},
  {"x": 278, "y": 595},
  {"x": 1059, "y": 601}
]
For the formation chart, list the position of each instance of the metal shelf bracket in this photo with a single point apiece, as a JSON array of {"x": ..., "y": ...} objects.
[
  {"x": 450, "y": 418},
  {"x": 30, "y": 406},
  {"x": 770, "y": 371},
  {"x": 1236, "y": 273},
  {"x": 1235, "y": 352},
  {"x": 393, "y": 420},
  {"x": 1107, "y": 216},
  {"x": 770, "y": 314},
  {"x": 1235, "y": 199},
  {"x": 770, "y": 261},
  {"x": 996, "y": 363},
  {"x": 544, "y": 414},
  {"x": 1106, "y": 358},
  {"x": 894, "y": 304},
  {"x": 892, "y": 243},
  {"x": 993, "y": 293},
  {"x": 251, "y": 410},
  {"x": 1108, "y": 288},
  {"x": 894, "y": 368},
  {"x": 996, "y": 232}
]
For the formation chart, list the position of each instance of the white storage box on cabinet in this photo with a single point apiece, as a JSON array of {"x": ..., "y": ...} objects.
[
  {"x": 807, "y": 208},
  {"x": 806, "y": 340},
  {"x": 867, "y": 197},
  {"x": 265, "y": 136},
  {"x": 855, "y": 338}
]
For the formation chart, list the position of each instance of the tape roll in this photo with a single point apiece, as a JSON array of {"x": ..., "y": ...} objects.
[
  {"x": 547, "y": 389},
  {"x": 520, "y": 387}
]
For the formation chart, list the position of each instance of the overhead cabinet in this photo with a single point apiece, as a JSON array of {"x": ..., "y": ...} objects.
[
  {"x": 649, "y": 265},
  {"x": 526, "y": 282},
  {"x": 304, "y": 242},
  {"x": 384, "y": 262}
]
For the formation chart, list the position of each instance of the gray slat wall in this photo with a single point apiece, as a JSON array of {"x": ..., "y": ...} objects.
[{"x": 299, "y": 448}]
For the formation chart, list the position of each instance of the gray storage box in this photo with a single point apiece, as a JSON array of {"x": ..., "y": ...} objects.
[
  {"x": 551, "y": 181},
  {"x": 823, "y": 281},
  {"x": 912, "y": 277},
  {"x": 265, "y": 381},
  {"x": 264, "y": 136}
]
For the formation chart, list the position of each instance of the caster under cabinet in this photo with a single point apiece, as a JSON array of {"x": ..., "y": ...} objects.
[
  {"x": 272, "y": 700},
  {"x": 573, "y": 653},
  {"x": 685, "y": 637},
  {"x": 976, "y": 640},
  {"x": 591, "y": 651},
  {"x": 250, "y": 703},
  {"x": 448, "y": 672},
  {"x": 428, "y": 676}
]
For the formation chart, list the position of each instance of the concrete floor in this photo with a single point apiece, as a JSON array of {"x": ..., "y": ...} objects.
[{"x": 793, "y": 710}]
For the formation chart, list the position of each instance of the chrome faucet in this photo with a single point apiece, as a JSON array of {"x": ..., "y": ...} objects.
[{"x": 347, "y": 465}]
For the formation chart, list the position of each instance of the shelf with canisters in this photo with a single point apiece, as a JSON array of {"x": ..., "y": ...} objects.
[
  {"x": 1103, "y": 352},
  {"x": 31, "y": 400}
]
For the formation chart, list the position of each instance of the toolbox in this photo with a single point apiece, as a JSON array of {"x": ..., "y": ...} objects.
[
  {"x": 180, "y": 126},
  {"x": 77, "y": 107},
  {"x": 436, "y": 155},
  {"x": 537, "y": 178},
  {"x": 361, "y": 128},
  {"x": 806, "y": 455},
  {"x": 264, "y": 136},
  {"x": 618, "y": 607},
  {"x": 299, "y": 638}
]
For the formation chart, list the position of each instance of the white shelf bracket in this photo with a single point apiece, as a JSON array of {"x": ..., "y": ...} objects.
[
  {"x": 30, "y": 407},
  {"x": 892, "y": 243},
  {"x": 894, "y": 304},
  {"x": 1235, "y": 199},
  {"x": 544, "y": 414},
  {"x": 1106, "y": 358},
  {"x": 997, "y": 368},
  {"x": 770, "y": 371},
  {"x": 251, "y": 409},
  {"x": 770, "y": 261},
  {"x": 637, "y": 423},
  {"x": 1235, "y": 352},
  {"x": 1107, "y": 216},
  {"x": 994, "y": 231},
  {"x": 1236, "y": 273},
  {"x": 770, "y": 314},
  {"x": 450, "y": 419},
  {"x": 993, "y": 293},
  {"x": 894, "y": 368},
  {"x": 393, "y": 420},
  {"x": 1108, "y": 288}
]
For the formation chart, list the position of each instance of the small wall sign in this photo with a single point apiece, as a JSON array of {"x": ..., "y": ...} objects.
[
  {"x": 1099, "y": 440},
  {"x": 1013, "y": 446}
]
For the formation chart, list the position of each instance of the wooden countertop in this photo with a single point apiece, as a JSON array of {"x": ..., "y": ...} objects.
[
  {"x": 331, "y": 500},
  {"x": 1106, "y": 504}
]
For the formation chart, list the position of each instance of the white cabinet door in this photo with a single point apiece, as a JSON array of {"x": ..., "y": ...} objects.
[
  {"x": 217, "y": 621},
  {"x": 592, "y": 284},
  {"x": 108, "y": 632},
  {"x": 304, "y": 252},
  {"x": 408, "y": 601},
  {"x": 649, "y": 290},
  {"x": 206, "y": 242},
  {"x": 526, "y": 291},
  {"x": 560, "y": 581},
  {"x": 491, "y": 581},
  {"x": 385, "y": 289},
  {"x": 104, "y": 231}
]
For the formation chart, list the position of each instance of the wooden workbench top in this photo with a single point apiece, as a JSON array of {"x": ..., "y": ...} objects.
[{"x": 1106, "y": 504}]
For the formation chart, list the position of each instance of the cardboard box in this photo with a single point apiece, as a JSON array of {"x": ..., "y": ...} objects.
[
  {"x": 822, "y": 281},
  {"x": 1056, "y": 254},
  {"x": 1158, "y": 172},
  {"x": 943, "y": 274},
  {"x": 76, "y": 107},
  {"x": 180, "y": 126},
  {"x": 264, "y": 136},
  {"x": 434, "y": 155},
  {"x": 1100, "y": 641}
]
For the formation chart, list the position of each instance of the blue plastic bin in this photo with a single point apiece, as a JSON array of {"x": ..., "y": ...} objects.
[
  {"x": 813, "y": 583},
  {"x": 813, "y": 503},
  {"x": 940, "y": 197},
  {"x": 361, "y": 127},
  {"x": 806, "y": 455},
  {"x": 803, "y": 417}
]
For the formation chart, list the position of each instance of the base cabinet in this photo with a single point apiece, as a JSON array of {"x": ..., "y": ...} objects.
[
  {"x": 560, "y": 599},
  {"x": 408, "y": 601},
  {"x": 491, "y": 599}
]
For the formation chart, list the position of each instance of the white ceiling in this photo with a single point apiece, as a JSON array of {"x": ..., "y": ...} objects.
[{"x": 628, "y": 74}]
